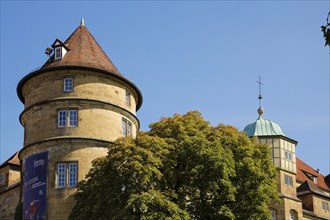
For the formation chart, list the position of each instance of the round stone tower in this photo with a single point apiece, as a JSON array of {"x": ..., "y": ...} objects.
[{"x": 75, "y": 106}]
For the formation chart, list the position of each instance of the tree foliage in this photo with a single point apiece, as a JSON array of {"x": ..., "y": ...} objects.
[
  {"x": 183, "y": 168},
  {"x": 326, "y": 32},
  {"x": 18, "y": 211}
]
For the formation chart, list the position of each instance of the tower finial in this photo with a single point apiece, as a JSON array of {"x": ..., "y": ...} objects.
[
  {"x": 82, "y": 22},
  {"x": 260, "y": 109}
]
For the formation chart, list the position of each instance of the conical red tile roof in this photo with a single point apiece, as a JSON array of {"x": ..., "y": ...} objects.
[{"x": 83, "y": 51}]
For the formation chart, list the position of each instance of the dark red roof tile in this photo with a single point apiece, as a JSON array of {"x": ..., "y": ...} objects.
[{"x": 303, "y": 170}]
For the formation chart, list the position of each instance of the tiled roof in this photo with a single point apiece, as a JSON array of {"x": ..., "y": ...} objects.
[
  {"x": 303, "y": 170},
  {"x": 309, "y": 186},
  {"x": 83, "y": 50},
  {"x": 14, "y": 160}
]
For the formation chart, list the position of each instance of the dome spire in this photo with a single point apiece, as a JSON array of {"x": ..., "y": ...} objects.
[{"x": 260, "y": 109}]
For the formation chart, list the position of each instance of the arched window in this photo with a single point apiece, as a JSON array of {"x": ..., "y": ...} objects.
[
  {"x": 293, "y": 215},
  {"x": 273, "y": 214}
]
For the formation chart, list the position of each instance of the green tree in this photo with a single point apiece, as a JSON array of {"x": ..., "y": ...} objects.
[
  {"x": 326, "y": 32},
  {"x": 183, "y": 168},
  {"x": 19, "y": 211}
]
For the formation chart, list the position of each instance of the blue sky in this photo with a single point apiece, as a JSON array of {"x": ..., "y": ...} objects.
[{"x": 188, "y": 55}]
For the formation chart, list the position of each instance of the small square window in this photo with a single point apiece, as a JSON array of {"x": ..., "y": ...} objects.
[
  {"x": 58, "y": 53},
  {"x": 288, "y": 180},
  {"x": 288, "y": 155},
  {"x": 68, "y": 84},
  {"x": 325, "y": 206}
]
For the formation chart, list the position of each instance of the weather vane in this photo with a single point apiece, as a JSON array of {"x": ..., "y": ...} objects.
[{"x": 259, "y": 97}]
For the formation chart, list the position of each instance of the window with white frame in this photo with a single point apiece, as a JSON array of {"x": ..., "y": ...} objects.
[
  {"x": 288, "y": 155},
  {"x": 61, "y": 118},
  {"x": 273, "y": 214},
  {"x": 128, "y": 98},
  {"x": 68, "y": 85},
  {"x": 288, "y": 180},
  {"x": 325, "y": 206},
  {"x": 73, "y": 118},
  {"x": 126, "y": 127},
  {"x": 67, "y": 118},
  {"x": 66, "y": 174},
  {"x": 61, "y": 175},
  {"x": 73, "y": 174},
  {"x": 58, "y": 53}
]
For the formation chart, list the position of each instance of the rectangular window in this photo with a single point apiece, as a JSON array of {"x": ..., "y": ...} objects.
[
  {"x": 67, "y": 118},
  {"x": 67, "y": 174},
  {"x": 126, "y": 128},
  {"x": 58, "y": 53},
  {"x": 73, "y": 118},
  {"x": 288, "y": 155},
  {"x": 288, "y": 180},
  {"x": 62, "y": 118},
  {"x": 325, "y": 206},
  {"x": 68, "y": 84},
  {"x": 61, "y": 175},
  {"x": 73, "y": 171},
  {"x": 128, "y": 98}
]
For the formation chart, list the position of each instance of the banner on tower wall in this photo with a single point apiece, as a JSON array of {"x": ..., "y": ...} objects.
[{"x": 35, "y": 186}]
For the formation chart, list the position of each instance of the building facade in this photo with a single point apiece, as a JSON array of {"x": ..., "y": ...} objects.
[
  {"x": 304, "y": 193},
  {"x": 78, "y": 103}
]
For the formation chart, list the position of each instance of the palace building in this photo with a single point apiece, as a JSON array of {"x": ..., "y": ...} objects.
[
  {"x": 78, "y": 103},
  {"x": 304, "y": 192}
]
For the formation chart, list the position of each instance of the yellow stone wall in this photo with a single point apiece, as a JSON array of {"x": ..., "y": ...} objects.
[
  {"x": 290, "y": 191},
  {"x": 317, "y": 205},
  {"x": 284, "y": 207},
  {"x": 101, "y": 104},
  {"x": 95, "y": 120},
  {"x": 60, "y": 201},
  {"x": 87, "y": 84}
]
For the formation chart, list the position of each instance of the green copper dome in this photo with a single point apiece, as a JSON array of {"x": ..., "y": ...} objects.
[{"x": 263, "y": 127}]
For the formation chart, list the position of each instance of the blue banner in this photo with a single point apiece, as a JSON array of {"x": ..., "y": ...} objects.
[{"x": 35, "y": 187}]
